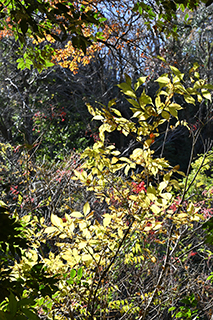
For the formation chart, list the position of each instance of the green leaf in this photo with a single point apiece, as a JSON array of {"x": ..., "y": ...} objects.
[
  {"x": 80, "y": 273},
  {"x": 12, "y": 304},
  {"x": 72, "y": 273},
  {"x": 210, "y": 277},
  {"x": 171, "y": 309},
  {"x": 25, "y": 302},
  {"x": 3, "y": 315},
  {"x": 49, "y": 63},
  {"x": 186, "y": 17},
  {"x": 208, "y": 224},
  {"x": 128, "y": 79},
  {"x": 70, "y": 281},
  {"x": 21, "y": 65},
  {"x": 31, "y": 315},
  {"x": 208, "y": 86},
  {"x": 24, "y": 26}
]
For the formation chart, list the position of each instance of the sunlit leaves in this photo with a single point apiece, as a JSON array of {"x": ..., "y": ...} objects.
[
  {"x": 144, "y": 99},
  {"x": 139, "y": 82},
  {"x": 206, "y": 94},
  {"x": 56, "y": 221},
  {"x": 107, "y": 220},
  {"x": 51, "y": 21},
  {"x": 141, "y": 212},
  {"x": 189, "y": 99},
  {"x": 163, "y": 80},
  {"x": 127, "y": 90},
  {"x": 86, "y": 208},
  {"x": 66, "y": 18},
  {"x": 76, "y": 214}
]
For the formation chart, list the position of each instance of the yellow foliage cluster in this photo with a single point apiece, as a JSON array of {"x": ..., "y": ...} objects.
[{"x": 139, "y": 207}]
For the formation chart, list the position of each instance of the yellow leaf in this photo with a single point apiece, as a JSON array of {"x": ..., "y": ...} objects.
[
  {"x": 165, "y": 115},
  {"x": 114, "y": 160},
  {"x": 198, "y": 217},
  {"x": 206, "y": 94},
  {"x": 158, "y": 101},
  {"x": 176, "y": 106},
  {"x": 175, "y": 70},
  {"x": 120, "y": 233},
  {"x": 98, "y": 117},
  {"x": 90, "y": 215},
  {"x": 161, "y": 58},
  {"x": 148, "y": 142},
  {"x": 82, "y": 224},
  {"x": 62, "y": 236},
  {"x": 27, "y": 218},
  {"x": 140, "y": 81},
  {"x": 173, "y": 112},
  {"x": 2, "y": 204},
  {"x": 166, "y": 195},
  {"x": 76, "y": 214},
  {"x": 189, "y": 99},
  {"x": 153, "y": 259},
  {"x": 190, "y": 208},
  {"x": 126, "y": 170},
  {"x": 182, "y": 215},
  {"x": 155, "y": 209},
  {"x": 133, "y": 197},
  {"x": 102, "y": 136},
  {"x": 56, "y": 221},
  {"x": 87, "y": 257},
  {"x": 68, "y": 217},
  {"x": 86, "y": 208},
  {"x": 163, "y": 80},
  {"x": 151, "y": 193},
  {"x": 162, "y": 185},
  {"x": 71, "y": 228},
  {"x": 42, "y": 220},
  {"x": 82, "y": 245},
  {"x": 148, "y": 228},
  {"x": 78, "y": 174},
  {"x": 51, "y": 230},
  {"x": 90, "y": 109},
  {"x": 107, "y": 220},
  {"x": 157, "y": 226}
]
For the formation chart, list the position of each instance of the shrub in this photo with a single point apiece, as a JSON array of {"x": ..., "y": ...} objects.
[{"x": 142, "y": 256}]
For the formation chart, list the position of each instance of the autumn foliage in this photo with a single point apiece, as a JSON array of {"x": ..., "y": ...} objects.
[{"x": 117, "y": 236}]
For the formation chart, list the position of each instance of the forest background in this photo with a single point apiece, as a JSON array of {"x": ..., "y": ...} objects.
[{"x": 106, "y": 219}]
